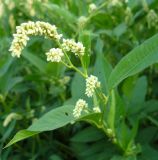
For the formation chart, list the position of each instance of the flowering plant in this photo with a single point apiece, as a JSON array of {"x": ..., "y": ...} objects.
[{"x": 100, "y": 103}]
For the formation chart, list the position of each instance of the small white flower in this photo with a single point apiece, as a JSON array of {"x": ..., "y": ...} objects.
[
  {"x": 91, "y": 84},
  {"x": 152, "y": 19},
  {"x": 54, "y": 55},
  {"x": 82, "y": 21},
  {"x": 92, "y": 7},
  {"x": 69, "y": 45},
  {"x": 79, "y": 107},
  {"x": 97, "y": 109}
]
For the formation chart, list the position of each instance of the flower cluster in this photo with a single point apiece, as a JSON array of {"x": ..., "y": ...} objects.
[
  {"x": 69, "y": 45},
  {"x": 92, "y": 7},
  {"x": 29, "y": 29},
  {"x": 82, "y": 21},
  {"x": 79, "y": 107},
  {"x": 152, "y": 19},
  {"x": 54, "y": 55},
  {"x": 91, "y": 84}
]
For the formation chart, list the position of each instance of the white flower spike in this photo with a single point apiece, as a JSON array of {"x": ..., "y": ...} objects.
[
  {"x": 79, "y": 107},
  {"x": 91, "y": 84},
  {"x": 69, "y": 45},
  {"x": 31, "y": 29}
]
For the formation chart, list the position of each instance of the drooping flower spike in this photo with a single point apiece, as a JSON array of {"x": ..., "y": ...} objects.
[{"x": 31, "y": 29}]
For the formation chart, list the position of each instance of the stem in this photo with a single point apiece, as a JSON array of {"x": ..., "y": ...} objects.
[
  {"x": 152, "y": 120},
  {"x": 65, "y": 64},
  {"x": 70, "y": 64},
  {"x": 67, "y": 57},
  {"x": 85, "y": 69},
  {"x": 104, "y": 109},
  {"x": 104, "y": 99},
  {"x": 77, "y": 70}
]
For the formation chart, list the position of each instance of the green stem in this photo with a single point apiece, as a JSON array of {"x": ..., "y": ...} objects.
[
  {"x": 85, "y": 69},
  {"x": 70, "y": 64},
  {"x": 65, "y": 64},
  {"x": 77, "y": 70},
  {"x": 67, "y": 57},
  {"x": 104, "y": 99},
  {"x": 152, "y": 120}
]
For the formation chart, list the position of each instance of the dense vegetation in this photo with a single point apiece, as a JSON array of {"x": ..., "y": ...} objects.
[{"x": 38, "y": 97}]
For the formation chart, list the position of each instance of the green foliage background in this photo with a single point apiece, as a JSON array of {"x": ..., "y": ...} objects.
[{"x": 30, "y": 86}]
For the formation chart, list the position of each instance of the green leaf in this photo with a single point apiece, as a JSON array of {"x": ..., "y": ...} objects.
[
  {"x": 128, "y": 86},
  {"x": 89, "y": 134},
  {"x": 133, "y": 134},
  {"x": 54, "y": 119},
  {"x": 138, "y": 59},
  {"x": 123, "y": 158},
  {"x": 15, "y": 80},
  {"x": 4, "y": 65},
  {"x": 146, "y": 135},
  {"x": 55, "y": 157},
  {"x": 123, "y": 135},
  {"x": 139, "y": 91},
  {"x": 120, "y": 29},
  {"x": 80, "y": 92},
  {"x": 111, "y": 113},
  {"x": 36, "y": 61},
  {"x": 138, "y": 95},
  {"x": 8, "y": 131},
  {"x": 60, "y": 12},
  {"x": 102, "y": 68},
  {"x": 21, "y": 135},
  {"x": 148, "y": 152},
  {"x": 7, "y": 82},
  {"x": 93, "y": 118},
  {"x": 150, "y": 106}
]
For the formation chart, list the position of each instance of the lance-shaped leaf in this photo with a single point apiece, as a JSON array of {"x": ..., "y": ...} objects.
[
  {"x": 138, "y": 59},
  {"x": 54, "y": 119}
]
